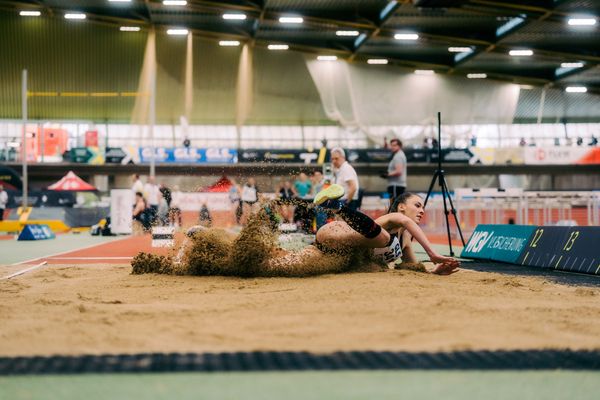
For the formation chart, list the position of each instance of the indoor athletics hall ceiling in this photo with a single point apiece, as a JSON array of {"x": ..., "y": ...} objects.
[{"x": 458, "y": 37}]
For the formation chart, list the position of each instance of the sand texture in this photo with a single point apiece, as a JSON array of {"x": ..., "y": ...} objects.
[{"x": 62, "y": 309}]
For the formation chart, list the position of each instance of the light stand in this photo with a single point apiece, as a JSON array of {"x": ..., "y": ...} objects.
[{"x": 439, "y": 175}]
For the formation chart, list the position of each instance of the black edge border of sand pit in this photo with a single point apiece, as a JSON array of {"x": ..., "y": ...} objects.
[{"x": 303, "y": 361}]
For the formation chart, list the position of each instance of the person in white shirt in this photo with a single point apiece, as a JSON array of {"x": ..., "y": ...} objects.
[
  {"x": 138, "y": 185},
  {"x": 3, "y": 202},
  {"x": 345, "y": 176},
  {"x": 152, "y": 195},
  {"x": 249, "y": 199}
]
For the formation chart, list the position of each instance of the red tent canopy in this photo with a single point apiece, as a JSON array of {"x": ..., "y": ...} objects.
[
  {"x": 73, "y": 183},
  {"x": 221, "y": 186}
]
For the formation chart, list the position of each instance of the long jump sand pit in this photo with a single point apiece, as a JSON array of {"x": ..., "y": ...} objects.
[{"x": 93, "y": 309}]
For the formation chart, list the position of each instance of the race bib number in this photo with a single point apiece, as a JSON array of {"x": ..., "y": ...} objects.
[{"x": 390, "y": 253}]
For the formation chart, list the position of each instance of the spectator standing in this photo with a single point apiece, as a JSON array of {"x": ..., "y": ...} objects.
[
  {"x": 3, "y": 202},
  {"x": 318, "y": 181},
  {"x": 318, "y": 184},
  {"x": 175, "y": 207},
  {"x": 153, "y": 196},
  {"x": 235, "y": 194},
  {"x": 302, "y": 215},
  {"x": 249, "y": 199},
  {"x": 164, "y": 204},
  {"x": 138, "y": 185},
  {"x": 396, "y": 172},
  {"x": 303, "y": 186},
  {"x": 345, "y": 176},
  {"x": 205, "y": 219}
]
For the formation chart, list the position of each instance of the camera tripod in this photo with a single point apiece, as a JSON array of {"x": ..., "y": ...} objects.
[{"x": 438, "y": 175}]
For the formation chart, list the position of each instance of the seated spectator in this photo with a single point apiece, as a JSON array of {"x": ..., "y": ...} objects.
[
  {"x": 205, "y": 219},
  {"x": 140, "y": 216},
  {"x": 287, "y": 192}
]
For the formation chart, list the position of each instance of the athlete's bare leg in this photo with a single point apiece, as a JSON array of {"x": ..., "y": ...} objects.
[{"x": 339, "y": 235}]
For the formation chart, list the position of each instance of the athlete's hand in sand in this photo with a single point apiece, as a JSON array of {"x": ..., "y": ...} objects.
[
  {"x": 439, "y": 259},
  {"x": 446, "y": 268}
]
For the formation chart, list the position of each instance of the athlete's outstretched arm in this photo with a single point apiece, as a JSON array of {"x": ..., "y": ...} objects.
[{"x": 411, "y": 226}]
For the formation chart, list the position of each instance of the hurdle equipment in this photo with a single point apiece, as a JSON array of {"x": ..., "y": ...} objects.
[{"x": 163, "y": 236}]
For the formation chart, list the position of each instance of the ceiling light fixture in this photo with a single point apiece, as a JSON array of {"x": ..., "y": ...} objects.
[
  {"x": 177, "y": 31},
  {"x": 291, "y": 20},
  {"x": 278, "y": 47},
  {"x": 129, "y": 29},
  {"x": 571, "y": 65},
  {"x": 238, "y": 17},
  {"x": 377, "y": 61},
  {"x": 119, "y": 1},
  {"x": 74, "y": 16},
  {"x": 582, "y": 21},
  {"x": 476, "y": 76},
  {"x": 460, "y": 49},
  {"x": 576, "y": 89},
  {"x": 518, "y": 53},
  {"x": 229, "y": 43},
  {"x": 30, "y": 13},
  {"x": 174, "y": 2},
  {"x": 406, "y": 36},
  {"x": 424, "y": 71},
  {"x": 327, "y": 58},
  {"x": 347, "y": 33}
]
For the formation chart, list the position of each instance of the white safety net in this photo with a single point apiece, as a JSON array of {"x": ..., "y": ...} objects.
[{"x": 366, "y": 96}]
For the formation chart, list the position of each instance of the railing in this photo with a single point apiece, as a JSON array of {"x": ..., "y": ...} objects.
[{"x": 512, "y": 206}]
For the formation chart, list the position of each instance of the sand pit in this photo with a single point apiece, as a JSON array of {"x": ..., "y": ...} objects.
[{"x": 104, "y": 309}]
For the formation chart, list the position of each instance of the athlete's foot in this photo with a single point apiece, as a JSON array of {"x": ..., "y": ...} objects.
[{"x": 333, "y": 192}]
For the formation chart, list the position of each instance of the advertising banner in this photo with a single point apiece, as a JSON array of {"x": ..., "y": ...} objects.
[
  {"x": 565, "y": 248},
  {"x": 36, "y": 232},
  {"x": 188, "y": 155},
  {"x": 555, "y": 155},
  {"x": 214, "y": 201},
  {"x": 297, "y": 156},
  {"x": 91, "y": 139},
  {"x": 86, "y": 155},
  {"x": 115, "y": 155},
  {"x": 498, "y": 242},
  {"x": 367, "y": 155},
  {"x": 452, "y": 156}
]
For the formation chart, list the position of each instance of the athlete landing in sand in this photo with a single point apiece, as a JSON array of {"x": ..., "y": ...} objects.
[{"x": 354, "y": 243}]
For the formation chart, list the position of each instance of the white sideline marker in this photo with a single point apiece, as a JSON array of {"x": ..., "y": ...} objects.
[
  {"x": 163, "y": 236},
  {"x": 25, "y": 270}
]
